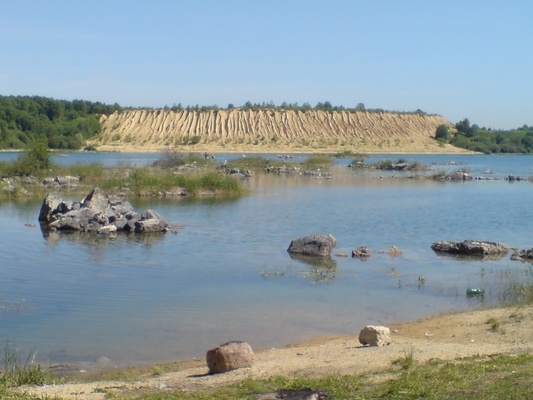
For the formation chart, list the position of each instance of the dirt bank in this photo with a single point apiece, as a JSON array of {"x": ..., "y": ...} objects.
[
  {"x": 444, "y": 337},
  {"x": 271, "y": 131}
]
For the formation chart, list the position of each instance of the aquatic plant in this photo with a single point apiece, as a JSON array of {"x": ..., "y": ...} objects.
[{"x": 316, "y": 161}]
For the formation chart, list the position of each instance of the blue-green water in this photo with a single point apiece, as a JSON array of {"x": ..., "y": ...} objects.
[{"x": 227, "y": 276}]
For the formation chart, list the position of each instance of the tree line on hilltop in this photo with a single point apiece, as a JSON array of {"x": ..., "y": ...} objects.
[{"x": 67, "y": 125}]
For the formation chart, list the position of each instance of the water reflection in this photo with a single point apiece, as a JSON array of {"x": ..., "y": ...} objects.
[
  {"x": 321, "y": 262},
  {"x": 96, "y": 242},
  {"x": 471, "y": 257}
]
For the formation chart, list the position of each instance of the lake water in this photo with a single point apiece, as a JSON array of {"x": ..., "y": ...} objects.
[{"x": 227, "y": 275}]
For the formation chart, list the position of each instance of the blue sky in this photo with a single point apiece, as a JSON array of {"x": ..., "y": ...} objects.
[{"x": 460, "y": 59}]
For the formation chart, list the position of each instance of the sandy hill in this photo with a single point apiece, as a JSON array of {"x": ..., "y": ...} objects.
[{"x": 270, "y": 131}]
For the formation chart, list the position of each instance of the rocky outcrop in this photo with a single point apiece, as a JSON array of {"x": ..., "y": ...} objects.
[
  {"x": 374, "y": 336},
  {"x": 229, "y": 356},
  {"x": 98, "y": 213},
  {"x": 253, "y": 130},
  {"x": 471, "y": 248},
  {"x": 313, "y": 245}
]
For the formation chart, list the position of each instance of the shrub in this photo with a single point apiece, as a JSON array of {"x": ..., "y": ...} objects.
[
  {"x": 442, "y": 133},
  {"x": 35, "y": 159}
]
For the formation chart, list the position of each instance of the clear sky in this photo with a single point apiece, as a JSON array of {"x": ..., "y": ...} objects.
[{"x": 457, "y": 58}]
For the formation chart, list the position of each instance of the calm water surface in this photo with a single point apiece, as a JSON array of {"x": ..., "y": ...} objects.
[{"x": 227, "y": 276}]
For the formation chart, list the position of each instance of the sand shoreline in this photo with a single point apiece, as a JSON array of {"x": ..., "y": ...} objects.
[{"x": 445, "y": 337}]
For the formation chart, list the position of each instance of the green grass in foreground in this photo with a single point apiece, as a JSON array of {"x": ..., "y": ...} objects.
[
  {"x": 15, "y": 374},
  {"x": 494, "y": 377}
]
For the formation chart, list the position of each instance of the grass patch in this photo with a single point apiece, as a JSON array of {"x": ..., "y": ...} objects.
[
  {"x": 350, "y": 154},
  {"x": 406, "y": 361},
  {"x": 15, "y": 374},
  {"x": 254, "y": 163},
  {"x": 199, "y": 177},
  {"x": 146, "y": 181},
  {"x": 316, "y": 161},
  {"x": 494, "y": 377},
  {"x": 173, "y": 159},
  {"x": 494, "y": 324}
]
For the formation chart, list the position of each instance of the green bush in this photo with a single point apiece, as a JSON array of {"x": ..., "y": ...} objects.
[
  {"x": 442, "y": 133},
  {"x": 36, "y": 159}
]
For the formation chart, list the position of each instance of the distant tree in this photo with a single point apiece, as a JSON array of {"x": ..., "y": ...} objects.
[
  {"x": 442, "y": 133},
  {"x": 360, "y": 107},
  {"x": 464, "y": 127}
]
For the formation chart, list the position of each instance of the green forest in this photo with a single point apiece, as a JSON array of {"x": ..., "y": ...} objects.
[
  {"x": 487, "y": 141},
  {"x": 60, "y": 124}
]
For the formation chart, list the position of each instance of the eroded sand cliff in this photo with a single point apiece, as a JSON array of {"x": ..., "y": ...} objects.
[{"x": 270, "y": 131}]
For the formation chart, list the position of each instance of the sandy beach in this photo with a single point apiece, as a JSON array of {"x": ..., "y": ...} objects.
[{"x": 442, "y": 337}]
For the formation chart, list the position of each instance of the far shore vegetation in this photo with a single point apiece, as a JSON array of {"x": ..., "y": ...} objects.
[
  {"x": 486, "y": 140},
  {"x": 173, "y": 174},
  {"x": 68, "y": 125}
]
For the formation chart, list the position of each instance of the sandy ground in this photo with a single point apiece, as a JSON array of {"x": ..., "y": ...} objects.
[
  {"x": 213, "y": 148},
  {"x": 270, "y": 131},
  {"x": 443, "y": 337}
]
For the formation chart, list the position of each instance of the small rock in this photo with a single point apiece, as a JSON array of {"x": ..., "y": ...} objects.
[
  {"x": 361, "y": 253},
  {"x": 394, "y": 251}
]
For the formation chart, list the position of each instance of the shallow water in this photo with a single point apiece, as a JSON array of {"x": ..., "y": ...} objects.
[{"x": 227, "y": 276}]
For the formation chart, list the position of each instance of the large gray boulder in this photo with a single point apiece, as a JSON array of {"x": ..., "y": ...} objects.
[
  {"x": 313, "y": 245},
  {"x": 100, "y": 213},
  {"x": 471, "y": 248},
  {"x": 229, "y": 356}
]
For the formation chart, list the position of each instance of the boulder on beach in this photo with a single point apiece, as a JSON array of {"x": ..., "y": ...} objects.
[
  {"x": 99, "y": 213},
  {"x": 229, "y": 356},
  {"x": 313, "y": 245},
  {"x": 374, "y": 336}
]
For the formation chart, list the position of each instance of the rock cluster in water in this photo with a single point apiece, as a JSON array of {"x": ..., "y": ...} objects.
[{"x": 99, "y": 213}]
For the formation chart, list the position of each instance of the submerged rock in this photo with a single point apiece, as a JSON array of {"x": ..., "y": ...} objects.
[{"x": 99, "y": 213}]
